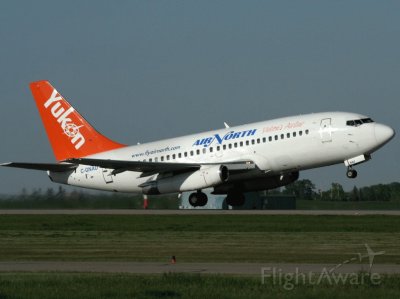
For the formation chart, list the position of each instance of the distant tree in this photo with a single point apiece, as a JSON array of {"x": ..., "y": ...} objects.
[
  {"x": 354, "y": 194},
  {"x": 302, "y": 189},
  {"x": 36, "y": 194},
  {"x": 337, "y": 192},
  {"x": 61, "y": 193},
  {"x": 49, "y": 193},
  {"x": 24, "y": 194},
  {"x": 394, "y": 191}
]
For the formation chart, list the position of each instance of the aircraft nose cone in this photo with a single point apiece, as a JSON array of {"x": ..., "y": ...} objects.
[{"x": 383, "y": 133}]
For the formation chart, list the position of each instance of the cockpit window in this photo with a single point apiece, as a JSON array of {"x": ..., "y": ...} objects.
[
  {"x": 367, "y": 120},
  {"x": 359, "y": 122}
]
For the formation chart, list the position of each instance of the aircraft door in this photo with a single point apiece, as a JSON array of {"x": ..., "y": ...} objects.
[
  {"x": 326, "y": 130},
  {"x": 107, "y": 175}
]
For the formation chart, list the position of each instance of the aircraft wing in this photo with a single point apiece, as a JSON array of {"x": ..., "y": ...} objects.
[
  {"x": 56, "y": 167},
  {"x": 150, "y": 168},
  {"x": 118, "y": 166}
]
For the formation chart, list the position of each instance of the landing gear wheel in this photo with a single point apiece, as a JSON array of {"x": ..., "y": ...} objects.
[
  {"x": 198, "y": 199},
  {"x": 235, "y": 198},
  {"x": 351, "y": 173}
]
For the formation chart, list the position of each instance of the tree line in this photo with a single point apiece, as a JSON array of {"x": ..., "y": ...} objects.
[
  {"x": 305, "y": 189},
  {"x": 301, "y": 189}
]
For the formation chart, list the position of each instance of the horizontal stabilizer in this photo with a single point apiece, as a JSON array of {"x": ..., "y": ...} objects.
[{"x": 42, "y": 166}]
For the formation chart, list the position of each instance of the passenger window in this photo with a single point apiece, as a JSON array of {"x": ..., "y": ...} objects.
[
  {"x": 198, "y": 152},
  {"x": 185, "y": 154},
  {"x": 224, "y": 146},
  {"x": 282, "y": 136},
  {"x": 179, "y": 155},
  {"x": 235, "y": 144},
  {"x": 230, "y": 145},
  {"x": 173, "y": 157},
  {"x": 204, "y": 150},
  {"x": 294, "y": 134},
  {"x": 288, "y": 135},
  {"x": 162, "y": 158},
  {"x": 211, "y": 149},
  {"x": 300, "y": 133},
  {"x": 276, "y": 137},
  {"x": 307, "y": 131},
  {"x": 258, "y": 140},
  {"x": 218, "y": 148},
  {"x": 270, "y": 138},
  {"x": 191, "y": 153},
  {"x": 241, "y": 143},
  {"x": 167, "y": 157},
  {"x": 247, "y": 142},
  {"x": 253, "y": 141},
  {"x": 264, "y": 139}
]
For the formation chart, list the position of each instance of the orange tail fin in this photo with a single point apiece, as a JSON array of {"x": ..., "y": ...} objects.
[{"x": 70, "y": 135}]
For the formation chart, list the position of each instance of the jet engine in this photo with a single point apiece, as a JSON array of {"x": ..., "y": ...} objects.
[
  {"x": 203, "y": 178},
  {"x": 258, "y": 184}
]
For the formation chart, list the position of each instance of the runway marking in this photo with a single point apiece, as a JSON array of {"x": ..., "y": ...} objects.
[{"x": 209, "y": 268}]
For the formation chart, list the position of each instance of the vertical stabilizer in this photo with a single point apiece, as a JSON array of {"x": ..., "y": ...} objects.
[{"x": 70, "y": 135}]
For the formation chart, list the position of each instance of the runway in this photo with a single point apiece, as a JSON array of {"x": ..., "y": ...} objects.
[
  {"x": 200, "y": 212},
  {"x": 208, "y": 268}
]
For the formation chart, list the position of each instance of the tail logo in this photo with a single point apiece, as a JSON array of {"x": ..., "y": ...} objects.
[
  {"x": 72, "y": 130},
  {"x": 61, "y": 115}
]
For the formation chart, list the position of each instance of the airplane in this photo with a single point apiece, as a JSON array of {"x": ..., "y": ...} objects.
[
  {"x": 370, "y": 255},
  {"x": 233, "y": 160}
]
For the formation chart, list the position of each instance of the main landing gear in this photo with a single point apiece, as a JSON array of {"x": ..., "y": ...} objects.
[
  {"x": 235, "y": 198},
  {"x": 351, "y": 173},
  {"x": 198, "y": 199}
]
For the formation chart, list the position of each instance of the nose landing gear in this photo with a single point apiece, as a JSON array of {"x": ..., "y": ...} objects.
[{"x": 351, "y": 173}]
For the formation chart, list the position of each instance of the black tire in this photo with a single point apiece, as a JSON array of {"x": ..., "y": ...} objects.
[
  {"x": 235, "y": 198},
  {"x": 351, "y": 173},
  {"x": 202, "y": 199},
  {"x": 194, "y": 199},
  {"x": 198, "y": 199}
]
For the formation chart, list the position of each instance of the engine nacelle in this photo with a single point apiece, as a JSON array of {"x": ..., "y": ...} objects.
[
  {"x": 259, "y": 184},
  {"x": 203, "y": 178}
]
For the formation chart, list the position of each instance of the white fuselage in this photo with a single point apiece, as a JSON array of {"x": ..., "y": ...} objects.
[{"x": 276, "y": 147}]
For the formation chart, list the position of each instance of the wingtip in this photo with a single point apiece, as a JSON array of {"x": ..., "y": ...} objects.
[{"x": 6, "y": 164}]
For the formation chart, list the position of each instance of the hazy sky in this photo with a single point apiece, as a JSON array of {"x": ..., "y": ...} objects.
[{"x": 145, "y": 70}]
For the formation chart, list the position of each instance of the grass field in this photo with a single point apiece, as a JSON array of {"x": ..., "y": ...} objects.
[
  {"x": 346, "y": 205},
  {"x": 197, "y": 238},
  {"x": 70, "y": 285},
  {"x": 192, "y": 238}
]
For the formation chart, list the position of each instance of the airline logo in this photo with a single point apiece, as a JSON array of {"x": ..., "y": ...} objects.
[
  {"x": 61, "y": 115},
  {"x": 220, "y": 139}
]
